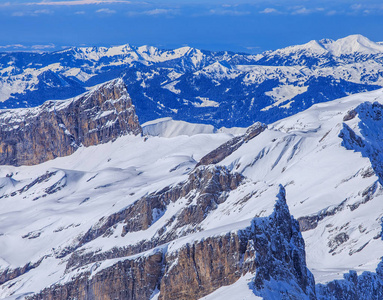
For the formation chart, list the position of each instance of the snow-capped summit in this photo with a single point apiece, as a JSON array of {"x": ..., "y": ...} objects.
[
  {"x": 219, "y": 70},
  {"x": 322, "y": 50},
  {"x": 353, "y": 44},
  {"x": 200, "y": 86},
  {"x": 311, "y": 48}
]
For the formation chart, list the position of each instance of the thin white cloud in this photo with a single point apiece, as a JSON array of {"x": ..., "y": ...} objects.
[
  {"x": 159, "y": 11},
  {"x": 43, "y": 47},
  {"x": 155, "y": 12},
  {"x": 23, "y": 48},
  {"x": 43, "y": 12},
  {"x": 106, "y": 11},
  {"x": 78, "y": 2},
  {"x": 18, "y": 14},
  {"x": 81, "y": 12},
  {"x": 302, "y": 11},
  {"x": 227, "y": 12},
  {"x": 332, "y": 13},
  {"x": 34, "y": 13},
  {"x": 270, "y": 11},
  {"x": 356, "y": 6},
  {"x": 229, "y": 5},
  {"x": 13, "y": 46}
]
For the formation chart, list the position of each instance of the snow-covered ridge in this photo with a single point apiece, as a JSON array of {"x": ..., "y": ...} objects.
[
  {"x": 168, "y": 128},
  {"x": 144, "y": 54},
  {"x": 353, "y": 44},
  {"x": 200, "y": 86}
]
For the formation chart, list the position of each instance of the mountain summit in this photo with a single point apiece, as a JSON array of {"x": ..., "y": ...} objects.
[{"x": 353, "y": 44}]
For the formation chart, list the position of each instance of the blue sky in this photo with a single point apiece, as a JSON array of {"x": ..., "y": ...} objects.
[{"x": 241, "y": 25}]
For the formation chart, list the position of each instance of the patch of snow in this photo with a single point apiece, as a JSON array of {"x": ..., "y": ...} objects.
[
  {"x": 206, "y": 102},
  {"x": 167, "y": 127},
  {"x": 171, "y": 87},
  {"x": 240, "y": 290},
  {"x": 283, "y": 93}
]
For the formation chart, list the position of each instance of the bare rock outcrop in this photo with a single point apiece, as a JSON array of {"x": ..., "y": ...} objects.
[
  {"x": 271, "y": 248},
  {"x": 205, "y": 189},
  {"x": 131, "y": 279},
  {"x": 229, "y": 147},
  {"x": 57, "y": 128},
  {"x": 368, "y": 285}
]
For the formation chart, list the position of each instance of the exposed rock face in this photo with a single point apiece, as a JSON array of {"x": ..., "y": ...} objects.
[
  {"x": 368, "y": 141},
  {"x": 128, "y": 280},
  {"x": 198, "y": 269},
  {"x": 280, "y": 256},
  {"x": 229, "y": 147},
  {"x": 368, "y": 285},
  {"x": 207, "y": 186},
  {"x": 271, "y": 247},
  {"x": 58, "y": 128},
  {"x": 310, "y": 222},
  {"x": 10, "y": 274}
]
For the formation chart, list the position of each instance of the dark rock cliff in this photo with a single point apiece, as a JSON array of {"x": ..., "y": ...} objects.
[
  {"x": 205, "y": 189},
  {"x": 271, "y": 248},
  {"x": 129, "y": 279},
  {"x": 58, "y": 128},
  {"x": 368, "y": 285}
]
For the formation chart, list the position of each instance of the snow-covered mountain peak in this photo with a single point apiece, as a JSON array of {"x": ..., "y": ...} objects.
[
  {"x": 120, "y": 50},
  {"x": 325, "y": 41},
  {"x": 353, "y": 44},
  {"x": 182, "y": 51},
  {"x": 220, "y": 65},
  {"x": 312, "y": 47},
  {"x": 348, "y": 45},
  {"x": 149, "y": 50},
  {"x": 219, "y": 70}
]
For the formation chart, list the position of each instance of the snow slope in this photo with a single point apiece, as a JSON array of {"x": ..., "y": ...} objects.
[
  {"x": 167, "y": 127},
  {"x": 335, "y": 192}
]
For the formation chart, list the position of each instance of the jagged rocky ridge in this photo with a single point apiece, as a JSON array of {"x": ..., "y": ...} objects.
[
  {"x": 368, "y": 285},
  {"x": 56, "y": 129},
  {"x": 368, "y": 141},
  {"x": 204, "y": 190},
  {"x": 272, "y": 248},
  {"x": 229, "y": 147},
  {"x": 141, "y": 238}
]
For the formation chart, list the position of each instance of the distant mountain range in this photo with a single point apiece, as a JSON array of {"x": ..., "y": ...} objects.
[{"x": 218, "y": 88}]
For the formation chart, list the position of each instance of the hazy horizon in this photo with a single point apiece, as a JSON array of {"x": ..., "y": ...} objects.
[{"x": 241, "y": 26}]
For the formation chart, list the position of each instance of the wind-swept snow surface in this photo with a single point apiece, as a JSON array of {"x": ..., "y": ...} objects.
[{"x": 66, "y": 217}]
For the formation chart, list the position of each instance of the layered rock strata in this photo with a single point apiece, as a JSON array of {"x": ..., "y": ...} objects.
[
  {"x": 205, "y": 189},
  {"x": 223, "y": 151},
  {"x": 271, "y": 248},
  {"x": 57, "y": 128}
]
